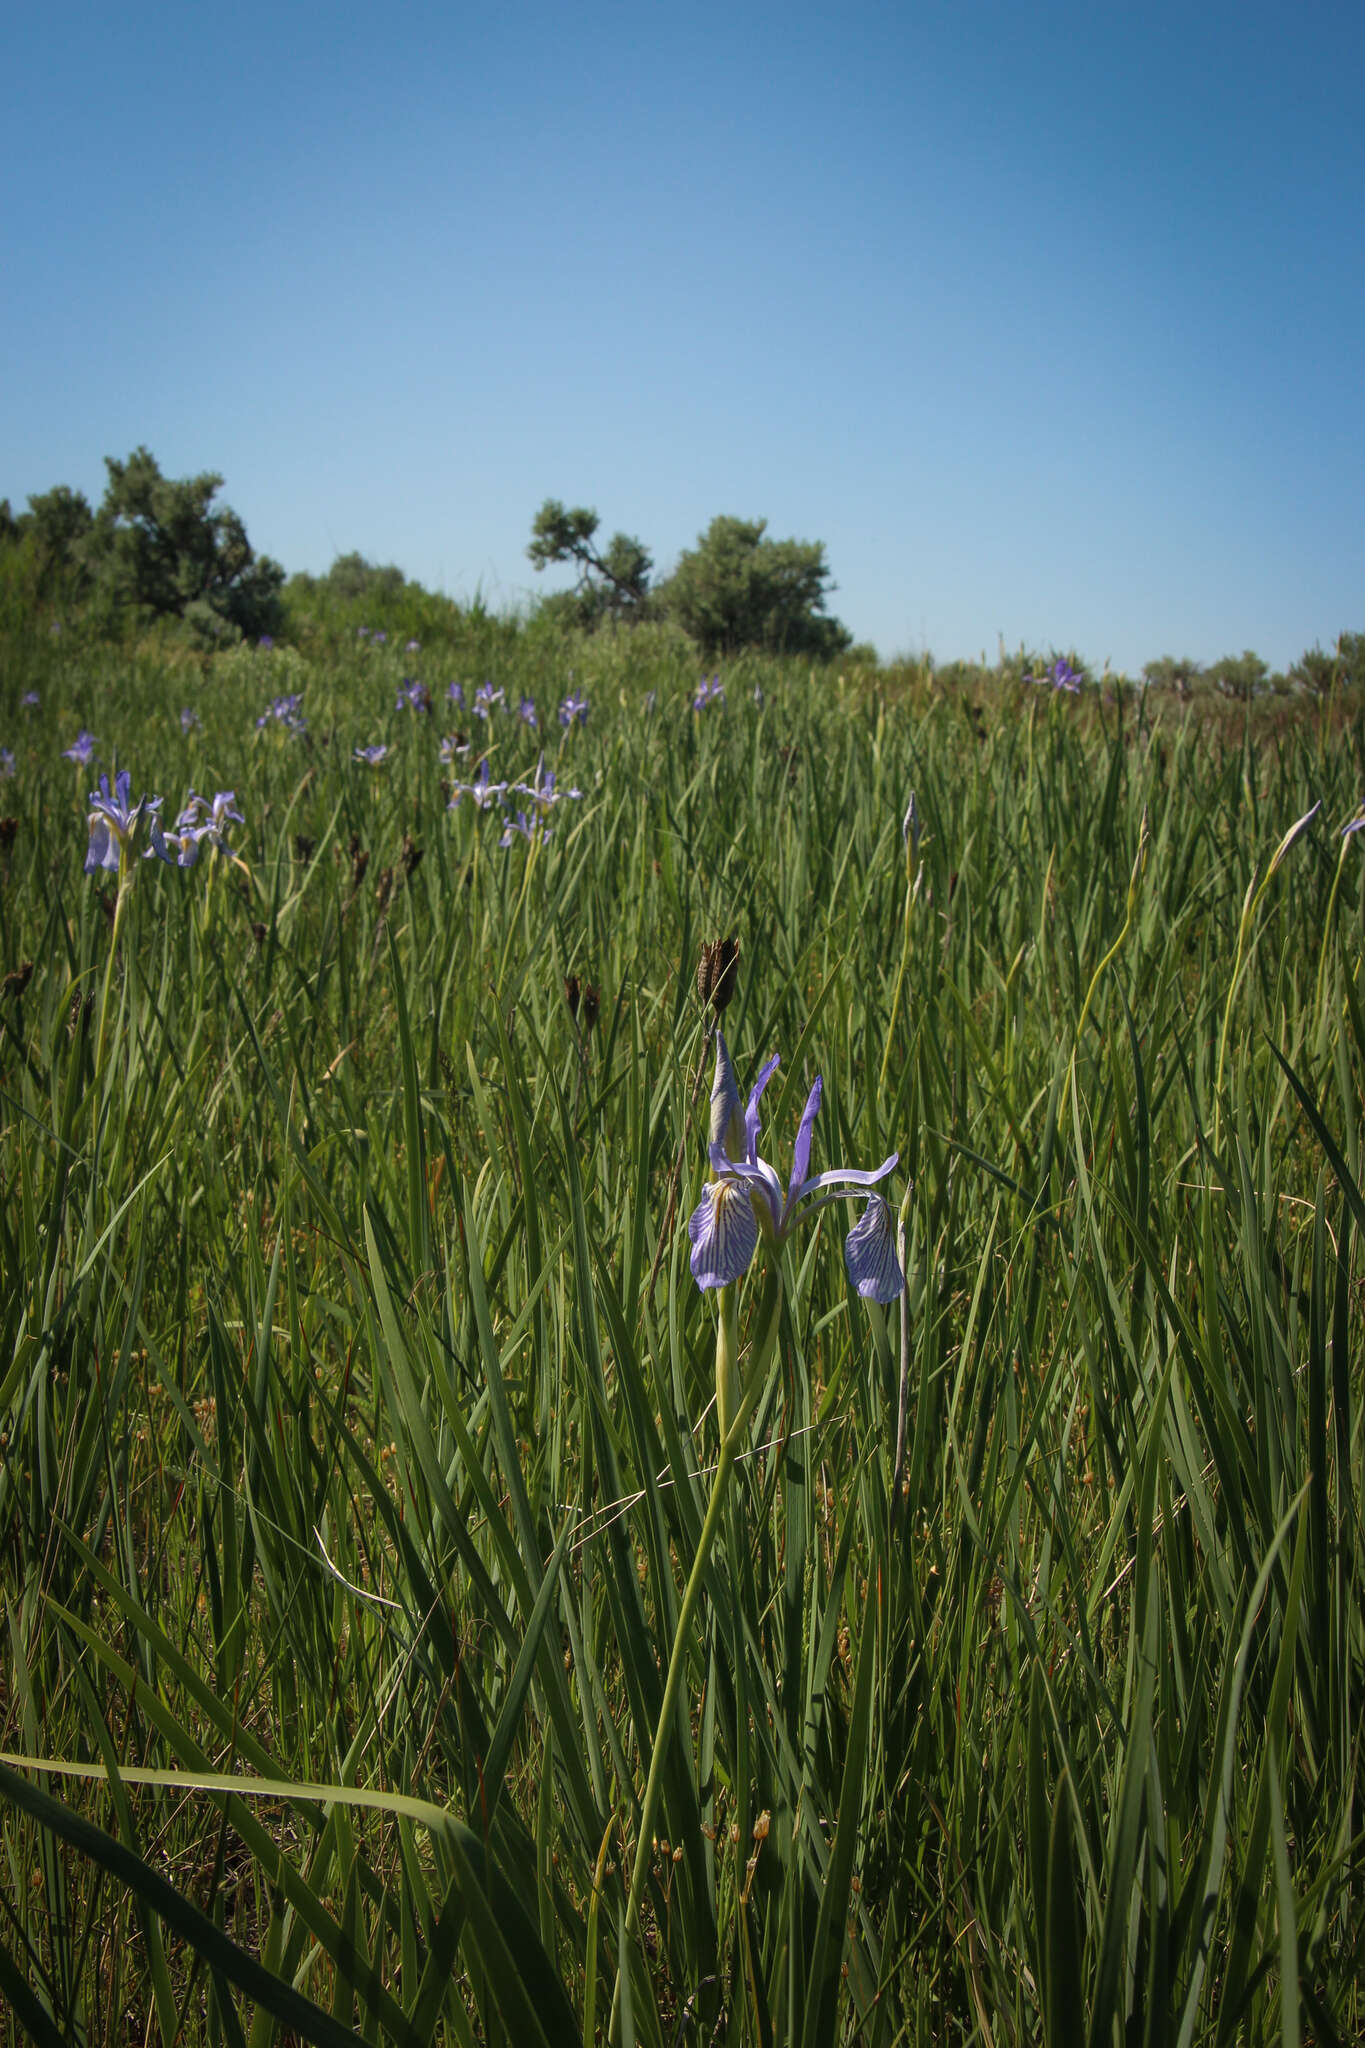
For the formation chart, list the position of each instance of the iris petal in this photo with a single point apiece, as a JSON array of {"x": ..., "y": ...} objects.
[
  {"x": 724, "y": 1234},
  {"x": 843, "y": 1176},
  {"x": 801, "y": 1152},
  {"x": 751, "y": 1117},
  {"x": 870, "y": 1254},
  {"x": 724, "y": 1094}
]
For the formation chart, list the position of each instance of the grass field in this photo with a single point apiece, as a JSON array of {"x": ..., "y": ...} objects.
[{"x": 358, "y": 1434}]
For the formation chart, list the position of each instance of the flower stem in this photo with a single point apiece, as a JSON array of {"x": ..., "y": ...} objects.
[{"x": 766, "y": 1324}]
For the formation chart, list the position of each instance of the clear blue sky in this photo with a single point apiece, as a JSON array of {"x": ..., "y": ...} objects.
[{"x": 1048, "y": 320}]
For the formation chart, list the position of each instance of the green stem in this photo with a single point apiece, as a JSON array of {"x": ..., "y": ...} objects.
[{"x": 766, "y": 1323}]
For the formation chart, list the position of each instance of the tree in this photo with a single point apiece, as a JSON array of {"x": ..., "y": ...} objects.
[
  {"x": 160, "y": 543},
  {"x": 614, "y": 585},
  {"x": 736, "y": 589}
]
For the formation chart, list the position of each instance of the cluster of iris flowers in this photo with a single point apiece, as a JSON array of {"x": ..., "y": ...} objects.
[
  {"x": 542, "y": 793},
  {"x": 284, "y": 712},
  {"x": 120, "y": 828}
]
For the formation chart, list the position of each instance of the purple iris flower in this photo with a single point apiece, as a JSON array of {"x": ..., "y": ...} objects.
[
  {"x": 201, "y": 823},
  {"x": 483, "y": 789},
  {"x": 746, "y": 1198},
  {"x": 453, "y": 745},
  {"x": 379, "y": 638},
  {"x": 455, "y": 692},
  {"x": 412, "y": 696},
  {"x": 1061, "y": 676},
  {"x": 267, "y": 641},
  {"x": 81, "y": 750},
  {"x": 1354, "y": 824},
  {"x": 373, "y": 757},
  {"x": 542, "y": 789},
  {"x": 527, "y": 828},
  {"x": 114, "y": 822},
  {"x": 284, "y": 711},
  {"x": 573, "y": 710},
  {"x": 526, "y": 711},
  {"x": 30, "y": 700},
  {"x": 485, "y": 697},
  {"x": 710, "y": 690},
  {"x": 413, "y": 647},
  {"x": 6, "y": 761},
  {"x": 189, "y": 720}
]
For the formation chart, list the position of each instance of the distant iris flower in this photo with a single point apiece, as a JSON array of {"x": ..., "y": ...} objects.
[
  {"x": 485, "y": 697},
  {"x": 745, "y": 1198},
  {"x": 452, "y": 745},
  {"x": 1061, "y": 676},
  {"x": 710, "y": 690},
  {"x": 189, "y": 720},
  {"x": 758, "y": 695},
  {"x": 483, "y": 789},
  {"x": 527, "y": 712},
  {"x": 455, "y": 692},
  {"x": 114, "y": 822},
  {"x": 81, "y": 750},
  {"x": 373, "y": 757},
  {"x": 542, "y": 789},
  {"x": 379, "y": 638},
  {"x": 6, "y": 761},
  {"x": 573, "y": 710},
  {"x": 30, "y": 700},
  {"x": 284, "y": 711},
  {"x": 412, "y": 696},
  {"x": 202, "y": 823},
  {"x": 527, "y": 828},
  {"x": 267, "y": 641},
  {"x": 413, "y": 647}
]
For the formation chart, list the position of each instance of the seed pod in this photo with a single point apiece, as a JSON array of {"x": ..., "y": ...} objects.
[
  {"x": 718, "y": 972},
  {"x": 572, "y": 993}
]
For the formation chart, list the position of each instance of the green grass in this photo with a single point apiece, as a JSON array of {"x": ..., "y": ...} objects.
[{"x": 356, "y": 1425}]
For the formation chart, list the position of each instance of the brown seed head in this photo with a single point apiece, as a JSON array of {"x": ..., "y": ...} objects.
[
  {"x": 17, "y": 981},
  {"x": 718, "y": 972}
]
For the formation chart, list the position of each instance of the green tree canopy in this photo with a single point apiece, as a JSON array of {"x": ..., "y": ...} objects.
[
  {"x": 611, "y": 585},
  {"x": 738, "y": 589},
  {"x": 160, "y": 543}
]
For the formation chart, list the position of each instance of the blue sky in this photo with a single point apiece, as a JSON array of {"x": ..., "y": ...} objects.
[{"x": 1047, "y": 320}]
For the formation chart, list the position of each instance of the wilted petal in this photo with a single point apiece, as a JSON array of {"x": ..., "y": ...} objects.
[
  {"x": 724, "y": 1234},
  {"x": 870, "y": 1254}
]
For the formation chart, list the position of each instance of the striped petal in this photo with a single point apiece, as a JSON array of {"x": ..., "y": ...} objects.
[
  {"x": 724, "y": 1233},
  {"x": 870, "y": 1254}
]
